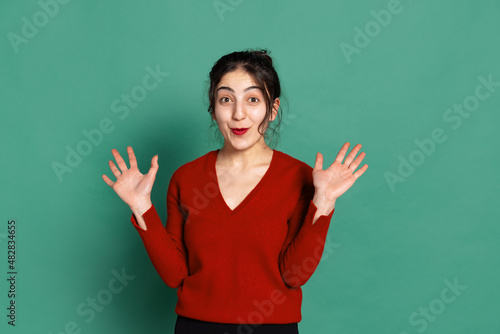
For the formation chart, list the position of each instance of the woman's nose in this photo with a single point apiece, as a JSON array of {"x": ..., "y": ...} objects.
[{"x": 239, "y": 111}]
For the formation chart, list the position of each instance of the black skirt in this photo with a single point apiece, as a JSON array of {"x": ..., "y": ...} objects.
[{"x": 185, "y": 325}]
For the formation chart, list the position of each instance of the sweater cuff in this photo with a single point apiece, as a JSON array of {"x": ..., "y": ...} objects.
[
  {"x": 320, "y": 227},
  {"x": 151, "y": 218}
]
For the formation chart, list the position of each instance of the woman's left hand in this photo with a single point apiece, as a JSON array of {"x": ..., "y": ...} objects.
[{"x": 331, "y": 183}]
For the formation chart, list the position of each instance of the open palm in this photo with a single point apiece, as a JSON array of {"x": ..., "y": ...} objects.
[
  {"x": 338, "y": 178},
  {"x": 131, "y": 186}
]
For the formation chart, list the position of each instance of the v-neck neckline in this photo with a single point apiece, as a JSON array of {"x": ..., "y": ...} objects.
[{"x": 251, "y": 194}]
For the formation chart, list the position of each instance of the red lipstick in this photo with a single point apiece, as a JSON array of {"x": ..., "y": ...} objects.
[{"x": 239, "y": 131}]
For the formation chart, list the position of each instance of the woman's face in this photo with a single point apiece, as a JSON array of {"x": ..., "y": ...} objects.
[{"x": 239, "y": 103}]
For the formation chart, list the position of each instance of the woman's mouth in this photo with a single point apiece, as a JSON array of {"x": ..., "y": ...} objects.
[{"x": 239, "y": 131}]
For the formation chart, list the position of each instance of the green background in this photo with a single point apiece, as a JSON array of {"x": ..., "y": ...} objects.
[{"x": 395, "y": 246}]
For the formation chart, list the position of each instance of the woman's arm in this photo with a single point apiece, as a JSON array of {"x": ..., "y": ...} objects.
[
  {"x": 305, "y": 241},
  {"x": 308, "y": 226},
  {"x": 164, "y": 244},
  {"x": 138, "y": 211}
]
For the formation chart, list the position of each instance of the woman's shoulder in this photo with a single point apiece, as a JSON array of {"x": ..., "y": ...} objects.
[
  {"x": 294, "y": 170},
  {"x": 194, "y": 166},
  {"x": 297, "y": 173},
  {"x": 290, "y": 161},
  {"x": 201, "y": 164}
]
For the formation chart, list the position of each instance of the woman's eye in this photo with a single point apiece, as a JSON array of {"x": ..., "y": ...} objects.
[{"x": 253, "y": 99}]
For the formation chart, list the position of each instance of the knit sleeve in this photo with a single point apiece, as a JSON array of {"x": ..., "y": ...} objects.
[
  {"x": 305, "y": 241},
  {"x": 165, "y": 245}
]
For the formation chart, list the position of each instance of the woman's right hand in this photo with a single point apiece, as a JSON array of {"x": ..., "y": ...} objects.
[{"x": 131, "y": 186}]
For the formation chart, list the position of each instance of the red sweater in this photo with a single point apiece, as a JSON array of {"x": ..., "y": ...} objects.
[{"x": 241, "y": 266}]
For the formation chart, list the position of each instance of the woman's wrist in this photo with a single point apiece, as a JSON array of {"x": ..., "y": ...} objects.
[
  {"x": 324, "y": 205},
  {"x": 141, "y": 207}
]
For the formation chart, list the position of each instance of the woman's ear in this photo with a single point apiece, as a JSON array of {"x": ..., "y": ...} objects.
[{"x": 274, "y": 112}]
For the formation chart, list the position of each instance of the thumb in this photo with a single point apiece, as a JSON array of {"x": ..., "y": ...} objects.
[
  {"x": 154, "y": 167},
  {"x": 319, "y": 161}
]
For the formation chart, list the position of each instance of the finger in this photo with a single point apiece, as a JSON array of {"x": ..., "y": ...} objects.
[
  {"x": 119, "y": 160},
  {"x": 319, "y": 161},
  {"x": 357, "y": 161},
  {"x": 154, "y": 168},
  {"x": 131, "y": 157},
  {"x": 351, "y": 155},
  {"x": 360, "y": 171},
  {"x": 115, "y": 170},
  {"x": 107, "y": 180},
  {"x": 340, "y": 156}
]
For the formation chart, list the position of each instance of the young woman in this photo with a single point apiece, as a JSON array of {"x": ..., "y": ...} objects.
[{"x": 246, "y": 224}]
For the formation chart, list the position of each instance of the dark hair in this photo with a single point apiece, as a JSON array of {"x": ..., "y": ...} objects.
[{"x": 259, "y": 65}]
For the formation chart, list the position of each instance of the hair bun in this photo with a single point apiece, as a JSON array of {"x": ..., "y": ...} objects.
[{"x": 263, "y": 55}]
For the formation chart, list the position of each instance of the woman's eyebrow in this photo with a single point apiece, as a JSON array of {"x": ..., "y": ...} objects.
[{"x": 232, "y": 90}]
